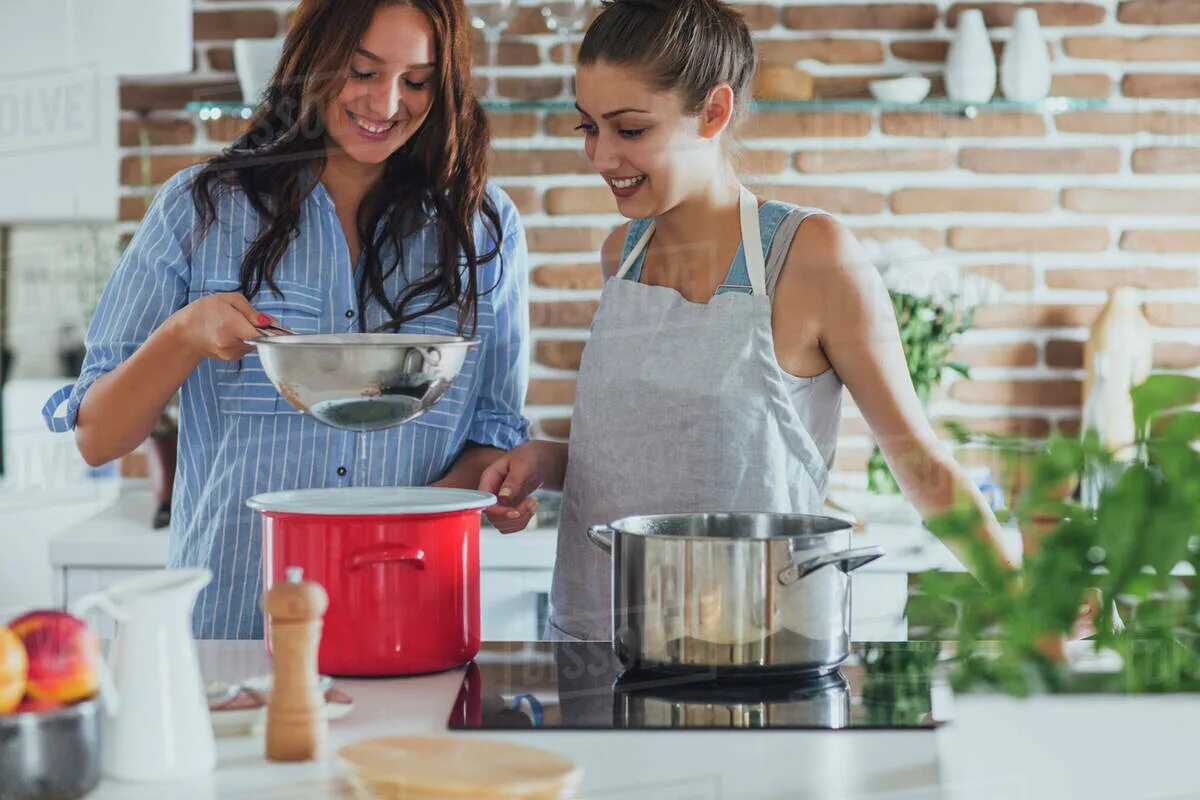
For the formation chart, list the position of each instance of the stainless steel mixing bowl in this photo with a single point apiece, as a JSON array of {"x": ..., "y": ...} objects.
[
  {"x": 50, "y": 755},
  {"x": 362, "y": 381}
]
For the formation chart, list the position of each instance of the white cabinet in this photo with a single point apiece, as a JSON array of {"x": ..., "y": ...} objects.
[
  {"x": 877, "y": 601},
  {"x": 513, "y": 603}
]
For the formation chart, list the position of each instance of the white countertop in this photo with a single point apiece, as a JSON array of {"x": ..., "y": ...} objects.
[
  {"x": 121, "y": 537},
  {"x": 1047, "y": 747}
]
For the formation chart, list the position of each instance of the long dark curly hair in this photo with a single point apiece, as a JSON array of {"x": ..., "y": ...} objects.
[{"x": 437, "y": 177}]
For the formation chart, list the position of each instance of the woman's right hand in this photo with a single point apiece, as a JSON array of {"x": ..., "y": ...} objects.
[
  {"x": 217, "y": 325},
  {"x": 513, "y": 478}
]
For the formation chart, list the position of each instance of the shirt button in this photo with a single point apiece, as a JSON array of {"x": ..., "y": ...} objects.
[
  {"x": 341, "y": 471},
  {"x": 349, "y": 313}
]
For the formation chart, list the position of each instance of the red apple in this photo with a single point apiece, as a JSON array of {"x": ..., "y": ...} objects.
[
  {"x": 14, "y": 667},
  {"x": 63, "y": 654},
  {"x": 34, "y": 704}
]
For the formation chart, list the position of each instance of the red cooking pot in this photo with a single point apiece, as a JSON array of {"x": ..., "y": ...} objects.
[{"x": 400, "y": 565}]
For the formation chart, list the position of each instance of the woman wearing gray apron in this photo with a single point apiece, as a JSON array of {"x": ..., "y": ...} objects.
[
  {"x": 682, "y": 402},
  {"x": 682, "y": 406}
]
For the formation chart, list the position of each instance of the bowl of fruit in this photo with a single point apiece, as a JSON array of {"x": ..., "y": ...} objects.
[{"x": 49, "y": 712}]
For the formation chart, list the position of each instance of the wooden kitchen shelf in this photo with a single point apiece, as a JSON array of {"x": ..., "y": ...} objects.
[{"x": 938, "y": 105}]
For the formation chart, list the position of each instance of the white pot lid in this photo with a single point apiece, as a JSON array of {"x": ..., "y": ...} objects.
[{"x": 361, "y": 501}]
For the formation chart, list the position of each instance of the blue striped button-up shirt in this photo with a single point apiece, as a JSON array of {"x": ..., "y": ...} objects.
[{"x": 237, "y": 436}]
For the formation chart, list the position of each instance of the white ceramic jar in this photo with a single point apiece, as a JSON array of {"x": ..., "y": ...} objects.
[
  {"x": 1025, "y": 68},
  {"x": 970, "y": 64}
]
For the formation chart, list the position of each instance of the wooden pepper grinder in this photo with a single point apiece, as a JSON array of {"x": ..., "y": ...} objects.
[{"x": 297, "y": 729}]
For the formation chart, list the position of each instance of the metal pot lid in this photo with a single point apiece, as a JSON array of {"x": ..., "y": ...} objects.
[
  {"x": 367, "y": 501},
  {"x": 731, "y": 526}
]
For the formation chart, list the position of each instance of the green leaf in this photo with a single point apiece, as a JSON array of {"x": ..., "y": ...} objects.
[
  {"x": 1160, "y": 393},
  {"x": 961, "y": 369}
]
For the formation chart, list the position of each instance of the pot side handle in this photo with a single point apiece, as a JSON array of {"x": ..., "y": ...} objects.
[
  {"x": 602, "y": 537},
  {"x": 386, "y": 554},
  {"x": 845, "y": 560}
]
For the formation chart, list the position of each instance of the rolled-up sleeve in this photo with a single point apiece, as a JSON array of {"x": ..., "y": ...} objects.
[
  {"x": 149, "y": 284},
  {"x": 498, "y": 420}
]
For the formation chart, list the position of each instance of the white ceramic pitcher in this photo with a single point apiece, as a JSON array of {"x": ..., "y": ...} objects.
[{"x": 156, "y": 724}]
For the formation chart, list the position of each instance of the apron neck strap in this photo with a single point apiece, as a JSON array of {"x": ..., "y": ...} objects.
[
  {"x": 632, "y": 258},
  {"x": 756, "y": 265}
]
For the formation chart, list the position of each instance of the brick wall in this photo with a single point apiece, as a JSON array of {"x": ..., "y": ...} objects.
[{"x": 1055, "y": 208}]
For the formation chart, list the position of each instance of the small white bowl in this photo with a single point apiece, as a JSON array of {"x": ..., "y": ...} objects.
[{"x": 909, "y": 89}]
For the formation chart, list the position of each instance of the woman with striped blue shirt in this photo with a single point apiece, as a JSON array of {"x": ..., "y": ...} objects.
[{"x": 356, "y": 201}]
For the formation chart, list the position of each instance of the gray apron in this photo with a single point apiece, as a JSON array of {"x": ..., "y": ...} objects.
[{"x": 680, "y": 407}]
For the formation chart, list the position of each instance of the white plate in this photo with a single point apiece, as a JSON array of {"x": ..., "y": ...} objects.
[
  {"x": 372, "y": 500},
  {"x": 262, "y": 684},
  {"x": 243, "y": 721}
]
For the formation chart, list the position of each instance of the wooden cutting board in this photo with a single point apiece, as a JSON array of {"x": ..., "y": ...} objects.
[{"x": 444, "y": 767}]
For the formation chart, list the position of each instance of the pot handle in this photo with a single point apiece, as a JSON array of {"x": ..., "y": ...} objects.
[
  {"x": 386, "y": 554},
  {"x": 602, "y": 537},
  {"x": 846, "y": 561}
]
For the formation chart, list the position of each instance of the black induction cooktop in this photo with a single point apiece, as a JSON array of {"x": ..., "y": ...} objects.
[{"x": 582, "y": 686}]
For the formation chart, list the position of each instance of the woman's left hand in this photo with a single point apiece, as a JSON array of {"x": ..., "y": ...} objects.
[
  {"x": 512, "y": 478},
  {"x": 510, "y": 519}
]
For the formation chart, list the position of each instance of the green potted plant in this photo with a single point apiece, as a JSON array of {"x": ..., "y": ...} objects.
[{"x": 1009, "y": 626}]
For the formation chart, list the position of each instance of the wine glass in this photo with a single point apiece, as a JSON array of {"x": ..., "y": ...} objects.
[
  {"x": 566, "y": 17},
  {"x": 492, "y": 18}
]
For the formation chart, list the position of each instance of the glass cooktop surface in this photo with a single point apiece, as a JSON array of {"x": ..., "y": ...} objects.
[{"x": 582, "y": 685}]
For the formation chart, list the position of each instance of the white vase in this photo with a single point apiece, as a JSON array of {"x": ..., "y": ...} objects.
[
  {"x": 970, "y": 64},
  {"x": 1025, "y": 68},
  {"x": 254, "y": 62}
]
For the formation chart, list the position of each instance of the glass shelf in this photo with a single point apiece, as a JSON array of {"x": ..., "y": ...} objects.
[{"x": 939, "y": 105}]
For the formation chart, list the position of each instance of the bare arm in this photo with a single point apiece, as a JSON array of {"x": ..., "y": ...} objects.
[
  {"x": 121, "y": 407},
  {"x": 829, "y": 278},
  {"x": 553, "y": 459},
  {"x": 466, "y": 470}
]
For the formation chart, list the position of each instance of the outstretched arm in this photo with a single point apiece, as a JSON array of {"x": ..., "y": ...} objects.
[{"x": 830, "y": 279}]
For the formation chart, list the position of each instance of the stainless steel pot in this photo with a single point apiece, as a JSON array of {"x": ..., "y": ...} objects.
[
  {"x": 50, "y": 755},
  {"x": 731, "y": 593}
]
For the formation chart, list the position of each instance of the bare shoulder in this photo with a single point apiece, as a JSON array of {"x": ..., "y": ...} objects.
[
  {"x": 610, "y": 251},
  {"x": 821, "y": 241},
  {"x": 825, "y": 255}
]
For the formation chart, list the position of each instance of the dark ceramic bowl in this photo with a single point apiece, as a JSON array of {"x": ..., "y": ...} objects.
[{"x": 50, "y": 755}]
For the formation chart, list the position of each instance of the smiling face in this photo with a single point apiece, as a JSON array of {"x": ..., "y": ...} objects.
[
  {"x": 652, "y": 154},
  {"x": 389, "y": 89}
]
